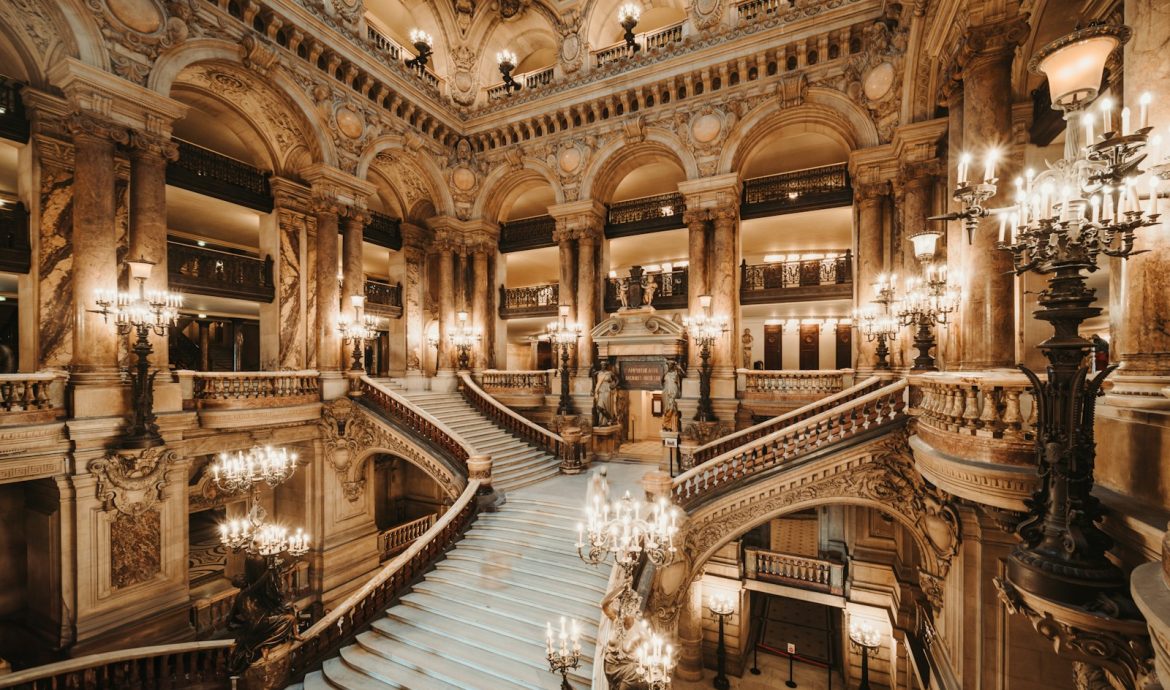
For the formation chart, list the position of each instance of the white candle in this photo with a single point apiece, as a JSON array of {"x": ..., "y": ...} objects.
[
  {"x": 989, "y": 166},
  {"x": 1107, "y": 114},
  {"x": 964, "y": 161},
  {"x": 1087, "y": 122},
  {"x": 1125, "y": 122},
  {"x": 1107, "y": 206},
  {"x": 1002, "y": 227},
  {"x": 1015, "y": 221},
  {"x": 1156, "y": 149},
  {"x": 1144, "y": 110},
  {"x": 1152, "y": 206},
  {"x": 1095, "y": 202}
]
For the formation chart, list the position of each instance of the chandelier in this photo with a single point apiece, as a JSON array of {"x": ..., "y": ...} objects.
[
  {"x": 357, "y": 329},
  {"x": 563, "y": 334},
  {"x": 929, "y": 300},
  {"x": 245, "y": 472},
  {"x": 506, "y": 60},
  {"x": 563, "y": 650},
  {"x": 880, "y": 326},
  {"x": 238, "y": 472},
  {"x": 464, "y": 337},
  {"x": 628, "y": 528},
  {"x": 423, "y": 43},
  {"x": 628, "y": 16},
  {"x": 655, "y": 660},
  {"x": 705, "y": 329},
  {"x": 140, "y": 312}
]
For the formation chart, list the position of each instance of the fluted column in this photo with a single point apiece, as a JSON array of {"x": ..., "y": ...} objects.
[
  {"x": 987, "y": 310},
  {"x": 480, "y": 315},
  {"x": 149, "y": 154},
  {"x": 697, "y": 222},
  {"x": 95, "y": 346},
  {"x": 446, "y": 303},
  {"x": 587, "y": 242},
  {"x": 724, "y": 284},
  {"x": 869, "y": 260},
  {"x": 352, "y": 275},
  {"x": 328, "y": 291}
]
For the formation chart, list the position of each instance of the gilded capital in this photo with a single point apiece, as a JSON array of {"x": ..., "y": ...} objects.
[{"x": 870, "y": 191}]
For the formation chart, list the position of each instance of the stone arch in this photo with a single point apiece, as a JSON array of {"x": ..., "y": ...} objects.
[
  {"x": 878, "y": 473},
  {"x": 505, "y": 184},
  {"x": 293, "y": 132},
  {"x": 414, "y": 175},
  {"x": 825, "y": 111},
  {"x": 39, "y": 34},
  {"x": 614, "y": 161}
]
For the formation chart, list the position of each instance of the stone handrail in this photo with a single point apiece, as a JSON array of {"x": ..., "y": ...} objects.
[
  {"x": 31, "y": 398},
  {"x": 724, "y": 444},
  {"x": 514, "y": 423},
  {"x": 416, "y": 419},
  {"x": 523, "y": 380},
  {"x": 770, "y": 382},
  {"x": 528, "y": 80},
  {"x": 249, "y": 389},
  {"x": 985, "y": 416},
  {"x": 387, "y": 584},
  {"x": 845, "y": 419},
  {"x": 398, "y": 537},
  {"x": 649, "y": 40},
  {"x": 801, "y": 571},
  {"x": 170, "y": 666}
]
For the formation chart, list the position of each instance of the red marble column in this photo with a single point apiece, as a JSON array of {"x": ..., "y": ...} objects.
[
  {"x": 724, "y": 285},
  {"x": 697, "y": 222},
  {"x": 480, "y": 316},
  {"x": 587, "y": 242},
  {"x": 446, "y": 303},
  {"x": 328, "y": 291}
]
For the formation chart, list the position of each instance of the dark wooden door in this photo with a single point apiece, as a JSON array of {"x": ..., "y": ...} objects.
[
  {"x": 544, "y": 356},
  {"x": 844, "y": 346},
  {"x": 810, "y": 346},
  {"x": 773, "y": 346}
]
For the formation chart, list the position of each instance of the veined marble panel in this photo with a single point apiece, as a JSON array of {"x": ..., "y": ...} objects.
[
  {"x": 55, "y": 269},
  {"x": 135, "y": 548},
  {"x": 292, "y": 329},
  {"x": 311, "y": 301}
]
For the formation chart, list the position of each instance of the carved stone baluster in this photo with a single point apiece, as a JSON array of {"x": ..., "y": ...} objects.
[
  {"x": 971, "y": 411},
  {"x": 989, "y": 419}
]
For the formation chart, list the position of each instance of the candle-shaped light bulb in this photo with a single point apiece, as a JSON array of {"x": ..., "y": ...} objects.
[
  {"x": 1152, "y": 205},
  {"x": 964, "y": 163},
  {"x": 1087, "y": 123},
  {"x": 989, "y": 166},
  {"x": 1125, "y": 122},
  {"x": 1144, "y": 109},
  {"x": 1095, "y": 203},
  {"x": 1002, "y": 227},
  {"x": 1107, "y": 114}
]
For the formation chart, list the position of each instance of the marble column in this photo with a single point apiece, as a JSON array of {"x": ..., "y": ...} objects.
[
  {"x": 148, "y": 218},
  {"x": 869, "y": 260},
  {"x": 95, "y": 345},
  {"x": 328, "y": 291},
  {"x": 563, "y": 236},
  {"x": 446, "y": 304},
  {"x": 480, "y": 314},
  {"x": 690, "y": 634},
  {"x": 352, "y": 276},
  {"x": 1140, "y": 285},
  {"x": 956, "y": 238},
  {"x": 286, "y": 326},
  {"x": 587, "y": 242},
  {"x": 697, "y": 222},
  {"x": 724, "y": 286},
  {"x": 917, "y": 184},
  {"x": 987, "y": 309},
  {"x": 414, "y": 269}
]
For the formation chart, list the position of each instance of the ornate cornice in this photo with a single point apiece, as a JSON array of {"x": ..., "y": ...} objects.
[{"x": 132, "y": 482}]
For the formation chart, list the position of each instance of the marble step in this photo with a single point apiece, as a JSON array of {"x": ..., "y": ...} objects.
[
  {"x": 577, "y": 577},
  {"x": 429, "y": 611},
  {"x": 494, "y": 579},
  {"x": 499, "y": 595},
  {"x": 381, "y": 671}
]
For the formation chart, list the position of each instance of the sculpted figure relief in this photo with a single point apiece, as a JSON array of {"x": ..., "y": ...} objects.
[
  {"x": 603, "y": 397},
  {"x": 671, "y": 389},
  {"x": 649, "y": 287},
  {"x": 747, "y": 341}
]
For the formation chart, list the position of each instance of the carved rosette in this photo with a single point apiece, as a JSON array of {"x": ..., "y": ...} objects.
[{"x": 706, "y": 13}]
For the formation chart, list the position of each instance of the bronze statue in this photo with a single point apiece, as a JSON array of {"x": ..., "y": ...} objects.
[{"x": 261, "y": 615}]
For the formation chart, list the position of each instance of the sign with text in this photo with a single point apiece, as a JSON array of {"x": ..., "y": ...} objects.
[{"x": 642, "y": 374}]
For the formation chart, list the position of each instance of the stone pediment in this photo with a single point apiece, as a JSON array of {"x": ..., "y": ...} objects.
[{"x": 639, "y": 332}]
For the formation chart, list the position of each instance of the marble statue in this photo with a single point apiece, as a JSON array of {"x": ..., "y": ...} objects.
[
  {"x": 671, "y": 389},
  {"x": 747, "y": 341},
  {"x": 649, "y": 287},
  {"x": 623, "y": 290},
  {"x": 603, "y": 397}
]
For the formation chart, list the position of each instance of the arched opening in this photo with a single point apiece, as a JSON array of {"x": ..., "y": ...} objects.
[
  {"x": 528, "y": 278},
  {"x": 407, "y": 501}
]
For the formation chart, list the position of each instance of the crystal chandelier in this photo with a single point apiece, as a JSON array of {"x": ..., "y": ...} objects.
[
  {"x": 881, "y": 326},
  {"x": 140, "y": 312},
  {"x": 628, "y": 528},
  {"x": 238, "y": 472},
  {"x": 929, "y": 300},
  {"x": 655, "y": 662},
  {"x": 705, "y": 329},
  {"x": 245, "y": 472}
]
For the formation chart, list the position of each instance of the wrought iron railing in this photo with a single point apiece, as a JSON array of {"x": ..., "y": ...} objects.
[
  {"x": 400, "y": 410},
  {"x": 528, "y": 80},
  {"x": 527, "y": 233},
  {"x": 530, "y": 300},
  {"x": 168, "y": 667},
  {"x": 514, "y": 424},
  {"x": 383, "y": 230},
  {"x": 390, "y": 582},
  {"x": 649, "y": 40},
  {"x": 818, "y": 574},
  {"x": 397, "y": 538},
  {"x": 15, "y": 251},
  {"x": 384, "y": 299},
  {"x": 13, "y": 119},
  {"x": 646, "y": 214},
  {"x": 205, "y": 271},
  {"x": 800, "y": 190},
  {"x": 214, "y": 174},
  {"x": 750, "y": 435},
  {"x": 670, "y": 291},
  {"x": 803, "y": 279}
]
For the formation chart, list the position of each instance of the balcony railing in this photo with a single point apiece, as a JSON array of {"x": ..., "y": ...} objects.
[
  {"x": 395, "y": 52},
  {"x": 649, "y": 40},
  {"x": 977, "y": 416},
  {"x": 214, "y": 174},
  {"x": 670, "y": 291},
  {"x": 205, "y": 271},
  {"x": 800, "y": 190},
  {"x": 788, "y": 281},
  {"x": 191, "y": 665},
  {"x": 397, "y": 538},
  {"x": 647, "y": 214},
  {"x": 527, "y": 80},
  {"x": 13, "y": 120},
  {"x": 383, "y": 299},
  {"x": 15, "y": 252},
  {"x": 383, "y": 230},
  {"x": 240, "y": 390},
  {"x": 31, "y": 398},
  {"x": 527, "y": 233},
  {"x": 804, "y": 386},
  {"x": 817, "y": 574},
  {"x": 516, "y": 381},
  {"x": 530, "y": 300}
]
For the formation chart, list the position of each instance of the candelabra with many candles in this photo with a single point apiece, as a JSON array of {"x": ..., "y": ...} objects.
[
  {"x": 141, "y": 312},
  {"x": 262, "y": 615},
  {"x": 705, "y": 329},
  {"x": 867, "y": 639},
  {"x": 722, "y": 605},
  {"x": 880, "y": 326},
  {"x": 357, "y": 331},
  {"x": 464, "y": 337},
  {"x": 563, "y": 650},
  {"x": 655, "y": 659},
  {"x": 1063, "y": 220},
  {"x": 929, "y": 300},
  {"x": 564, "y": 335}
]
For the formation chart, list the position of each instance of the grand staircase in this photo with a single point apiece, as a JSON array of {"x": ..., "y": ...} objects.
[
  {"x": 515, "y": 463},
  {"x": 477, "y": 621}
]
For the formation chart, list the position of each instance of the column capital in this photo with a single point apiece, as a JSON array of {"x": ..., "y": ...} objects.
[
  {"x": 106, "y": 96},
  {"x": 866, "y": 192},
  {"x": 290, "y": 195},
  {"x": 996, "y": 40},
  {"x": 919, "y": 141},
  {"x": 709, "y": 193},
  {"x": 146, "y": 145},
  {"x": 578, "y": 219},
  {"x": 86, "y": 125},
  {"x": 344, "y": 189},
  {"x": 414, "y": 236}
]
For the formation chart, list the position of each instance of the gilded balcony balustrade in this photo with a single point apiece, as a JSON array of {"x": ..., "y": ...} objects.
[
  {"x": 529, "y": 300},
  {"x": 829, "y": 277},
  {"x": 518, "y": 389},
  {"x": 238, "y": 390},
  {"x": 217, "y": 273}
]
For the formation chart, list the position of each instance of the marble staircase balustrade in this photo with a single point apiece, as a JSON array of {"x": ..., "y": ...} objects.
[
  {"x": 398, "y": 408},
  {"x": 165, "y": 667},
  {"x": 521, "y": 389},
  {"x": 818, "y": 574},
  {"x": 975, "y": 435},
  {"x": 32, "y": 398},
  {"x": 799, "y": 386},
  {"x": 397, "y": 538},
  {"x": 235, "y": 390}
]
